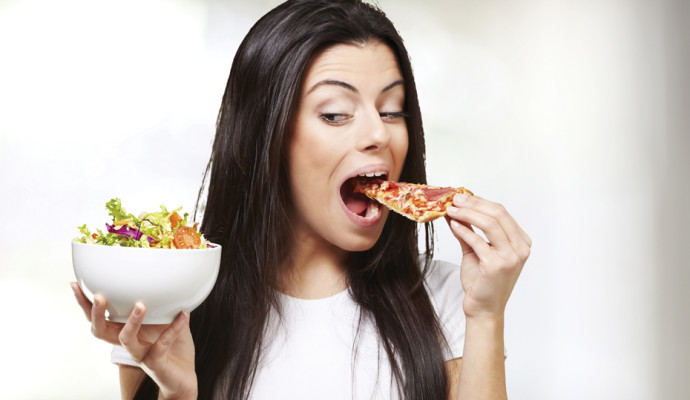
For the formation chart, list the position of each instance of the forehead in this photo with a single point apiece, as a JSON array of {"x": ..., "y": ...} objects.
[{"x": 372, "y": 60}]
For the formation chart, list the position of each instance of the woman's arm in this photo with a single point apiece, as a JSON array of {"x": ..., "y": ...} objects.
[
  {"x": 489, "y": 270},
  {"x": 453, "y": 368},
  {"x": 480, "y": 373},
  {"x": 130, "y": 379}
]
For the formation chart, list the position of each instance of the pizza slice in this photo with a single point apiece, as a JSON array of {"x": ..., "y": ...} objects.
[{"x": 421, "y": 203}]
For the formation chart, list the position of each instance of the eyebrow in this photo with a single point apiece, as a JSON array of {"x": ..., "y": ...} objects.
[
  {"x": 392, "y": 85},
  {"x": 350, "y": 87}
]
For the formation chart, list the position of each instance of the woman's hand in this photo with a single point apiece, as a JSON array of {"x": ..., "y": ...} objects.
[
  {"x": 164, "y": 352},
  {"x": 489, "y": 269}
]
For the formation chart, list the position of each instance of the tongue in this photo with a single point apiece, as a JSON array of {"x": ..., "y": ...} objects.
[{"x": 356, "y": 202}]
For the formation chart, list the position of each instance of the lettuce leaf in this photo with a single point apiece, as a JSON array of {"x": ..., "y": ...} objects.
[{"x": 115, "y": 209}]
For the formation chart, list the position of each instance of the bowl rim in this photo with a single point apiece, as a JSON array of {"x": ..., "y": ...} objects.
[{"x": 215, "y": 247}]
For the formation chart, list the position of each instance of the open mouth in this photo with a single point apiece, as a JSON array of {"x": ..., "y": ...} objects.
[{"x": 360, "y": 207}]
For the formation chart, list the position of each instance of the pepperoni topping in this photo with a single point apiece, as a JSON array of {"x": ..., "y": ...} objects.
[{"x": 435, "y": 194}]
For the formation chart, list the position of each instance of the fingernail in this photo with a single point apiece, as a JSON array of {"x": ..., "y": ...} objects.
[
  {"x": 183, "y": 315},
  {"x": 452, "y": 209},
  {"x": 97, "y": 300},
  {"x": 455, "y": 224},
  {"x": 137, "y": 309},
  {"x": 73, "y": 285},
  {"x": 459, "y": 198}
]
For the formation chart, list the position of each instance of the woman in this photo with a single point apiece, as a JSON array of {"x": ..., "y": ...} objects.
[{"x": 321, "y": 293}]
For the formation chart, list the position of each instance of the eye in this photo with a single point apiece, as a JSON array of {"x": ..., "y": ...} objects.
[
  {"x": 335, "y": 118},
  {"x": 392, "y": 116}
]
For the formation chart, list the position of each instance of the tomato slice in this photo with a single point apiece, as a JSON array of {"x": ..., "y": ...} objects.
[
  {"x": 175, "y": 220},
  {"x": 187, "y": 238}
]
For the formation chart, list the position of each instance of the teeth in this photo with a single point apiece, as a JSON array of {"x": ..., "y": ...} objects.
[
  {"x": 373, "y": 210},
  {"x": 373, "y": 174}
]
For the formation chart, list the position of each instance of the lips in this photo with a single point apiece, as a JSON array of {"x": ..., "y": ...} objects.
[{"x": 360, "y": 209}]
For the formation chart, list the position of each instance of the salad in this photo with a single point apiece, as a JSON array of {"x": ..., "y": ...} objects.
[{"x": 161, "y": 230}]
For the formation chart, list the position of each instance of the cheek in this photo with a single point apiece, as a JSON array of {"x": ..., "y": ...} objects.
[
  {"x": 310, "y": 152},
  {"x": 399, "y": 145},
  {"x": 311, "y": 161}
]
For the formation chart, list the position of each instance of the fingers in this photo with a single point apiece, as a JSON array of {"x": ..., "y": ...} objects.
[
  {"x": 84, "y": 303},
  {"x": 512, "y": 229},
  {"x": 143, "y": 351},
  {"x": 466, "y": 248},
  {"x": 129, "y": 334},
  {"x": 100, "y": 327},
  {"x": 469, "y": 240},
  {"x": 501, "y": 229},
  {"x": 95, "y": 314},
  {"x": 168, "y": 337},
  {"x": 491, "y": 227}
]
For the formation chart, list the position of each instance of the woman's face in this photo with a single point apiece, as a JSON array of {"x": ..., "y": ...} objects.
[{"x": 350, "y": 122}]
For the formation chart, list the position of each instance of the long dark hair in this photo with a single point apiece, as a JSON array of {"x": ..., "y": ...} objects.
[{"x": 248, "y": 207}]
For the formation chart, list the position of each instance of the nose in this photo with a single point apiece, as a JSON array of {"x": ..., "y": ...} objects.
[{"x": 374, "y": 134}]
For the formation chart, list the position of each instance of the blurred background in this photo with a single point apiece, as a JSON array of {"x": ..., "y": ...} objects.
[{"x": 573, "y": 114}]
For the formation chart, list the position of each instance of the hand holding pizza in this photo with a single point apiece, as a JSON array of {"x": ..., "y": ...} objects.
[{"x": 489, "y": 269}]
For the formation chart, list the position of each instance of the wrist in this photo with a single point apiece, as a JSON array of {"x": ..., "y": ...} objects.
[
  {"x": 182, "y": 393},
  {"x": 188, "y": 396},
  {"x": 486, "y": 326},
  {"x": 485, "y": 319},
  {"x": 486, "y": 331}
]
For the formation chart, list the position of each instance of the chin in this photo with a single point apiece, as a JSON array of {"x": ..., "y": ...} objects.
[
  {"x": 359, "y": 246},
  {"x": 361, "y": 242}
]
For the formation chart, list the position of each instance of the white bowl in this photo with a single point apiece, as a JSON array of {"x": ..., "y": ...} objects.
[{"x": 166, "y": 281}]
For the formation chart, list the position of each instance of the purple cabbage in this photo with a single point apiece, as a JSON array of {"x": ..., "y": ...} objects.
[{"x": 125, "y": 230}]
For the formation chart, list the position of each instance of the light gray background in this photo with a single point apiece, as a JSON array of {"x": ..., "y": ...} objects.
[{"x": 574, "y": 114}]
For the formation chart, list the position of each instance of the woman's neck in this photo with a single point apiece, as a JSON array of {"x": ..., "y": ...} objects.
[{"x": 317, "y": 269}]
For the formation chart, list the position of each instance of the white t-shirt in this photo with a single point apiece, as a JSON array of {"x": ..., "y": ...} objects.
[{"x": 312, "y": 353}]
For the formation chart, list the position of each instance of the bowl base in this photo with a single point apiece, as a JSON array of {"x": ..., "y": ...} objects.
[{"x": 146, "y": 321}]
